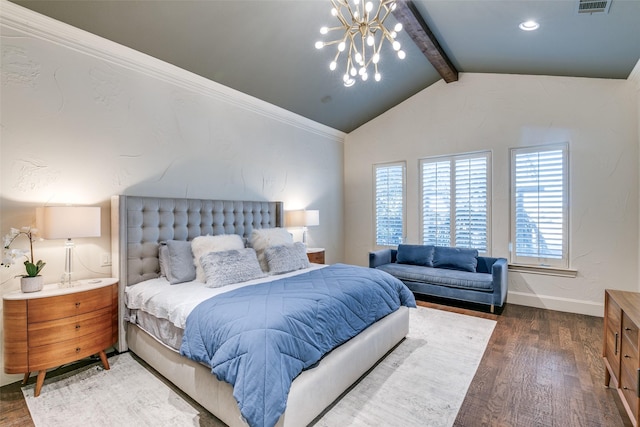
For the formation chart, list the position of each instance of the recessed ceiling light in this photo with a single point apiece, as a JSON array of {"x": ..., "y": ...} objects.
[{"x": 529, "y": 25}]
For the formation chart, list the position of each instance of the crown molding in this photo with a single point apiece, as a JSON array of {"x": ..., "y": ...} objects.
[{"x": 36, "y": 25}]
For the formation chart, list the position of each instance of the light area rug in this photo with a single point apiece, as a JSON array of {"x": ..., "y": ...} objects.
[{"x": 422, "y": 382}]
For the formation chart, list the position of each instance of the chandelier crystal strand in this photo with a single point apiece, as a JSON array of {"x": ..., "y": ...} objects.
[{"x": 361, "y": 26}]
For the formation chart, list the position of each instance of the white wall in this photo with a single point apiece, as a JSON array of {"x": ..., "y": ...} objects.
[
  {"x": 84, "y": 119},
  {"x": 599, "y": 119}
]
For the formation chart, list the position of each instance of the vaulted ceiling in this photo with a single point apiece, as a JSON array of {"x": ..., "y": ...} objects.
[{"x": 265, "y": 48}]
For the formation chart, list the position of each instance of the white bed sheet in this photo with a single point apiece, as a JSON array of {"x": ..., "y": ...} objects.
[{"x": 174, "y": 303}]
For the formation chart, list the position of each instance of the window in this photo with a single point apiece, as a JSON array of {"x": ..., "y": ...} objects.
[
  {"x": 389, "y": 203},
  {"x": 539, "y": 208},
  {"x": 455, "y": 201}
]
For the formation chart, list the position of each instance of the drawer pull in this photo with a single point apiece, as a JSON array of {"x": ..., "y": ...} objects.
[
  {"x": 77, "y": 327},
  {"x": 627, "y": 329},
  {"x": 638, "y": 384},
  {"x": 626, "y": 356},
  {"x": 616, "y": 348},
  {"x": 77, "y": 305},
  {"x": 78, "y": 349}
]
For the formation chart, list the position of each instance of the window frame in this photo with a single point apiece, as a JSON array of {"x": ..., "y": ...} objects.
[
  {"x": 375, "y": 167},
  {"x": 540, "y": 262},
  {"x": 487, "y": 154}
]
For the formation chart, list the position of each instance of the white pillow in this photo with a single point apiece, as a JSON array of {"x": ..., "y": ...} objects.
[
  {"x": 263, "y": 238},
  {"x": 204, "y": 244}
]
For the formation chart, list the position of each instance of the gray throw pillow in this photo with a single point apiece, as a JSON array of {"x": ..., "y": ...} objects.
[
  {"x": 163, "y": 258},
  {"x": 286, "y": 258},
  {"x": 455, "y": 258},
  {"x": 415, "y": 255},
  {"x": 229, "y": 267},
  {"x": 181, "y": 267}
]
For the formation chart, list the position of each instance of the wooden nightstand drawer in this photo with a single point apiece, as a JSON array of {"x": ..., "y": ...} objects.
[
  {"x": 43, "y": 309},
  {"x": 44, "y": 333},
  {"x": 68, "y": 351}
]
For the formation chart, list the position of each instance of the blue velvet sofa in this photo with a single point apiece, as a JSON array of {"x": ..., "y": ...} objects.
[{"x": 453, "y": 273}]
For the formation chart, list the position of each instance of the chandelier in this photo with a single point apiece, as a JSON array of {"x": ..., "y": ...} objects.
[{"x": 363, "y": 35}]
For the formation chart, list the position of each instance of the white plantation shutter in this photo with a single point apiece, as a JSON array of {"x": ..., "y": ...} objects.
[
  {"x": 455, "y": 201},
  {"x": 436, "y": 203},
  {"x": 539, "y": 206},
  {"x": 389, "y": 203},
  {"x": 471, "y": 203}
]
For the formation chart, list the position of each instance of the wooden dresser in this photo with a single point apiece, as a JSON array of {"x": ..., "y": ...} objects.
[
  {"x": 57, "y": 325},
  {"x": 620, "y": 350}
]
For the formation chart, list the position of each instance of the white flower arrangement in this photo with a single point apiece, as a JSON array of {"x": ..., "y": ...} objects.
[{"x": 9, "y": 256}]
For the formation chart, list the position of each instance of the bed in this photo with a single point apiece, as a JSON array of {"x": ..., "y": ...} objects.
[{"x": 141, "y": 224}]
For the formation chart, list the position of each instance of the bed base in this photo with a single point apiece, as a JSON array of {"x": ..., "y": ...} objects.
[{"x": 311, "y": 392}]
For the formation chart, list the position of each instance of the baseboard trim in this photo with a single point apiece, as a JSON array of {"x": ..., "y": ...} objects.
[{"x": 569, "y": 305}]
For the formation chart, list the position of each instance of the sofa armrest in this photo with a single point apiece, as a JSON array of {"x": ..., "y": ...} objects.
[
  {"x": 381, "y": 257},
  {"x": 500, "y": 280}
]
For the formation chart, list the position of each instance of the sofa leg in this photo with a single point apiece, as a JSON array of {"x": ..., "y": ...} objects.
[{"x": 492, "y": 309}]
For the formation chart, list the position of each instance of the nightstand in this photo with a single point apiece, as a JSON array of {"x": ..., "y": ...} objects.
[
  {"x": 316, "y": 255},
  {"x": 57, "y": 325}
]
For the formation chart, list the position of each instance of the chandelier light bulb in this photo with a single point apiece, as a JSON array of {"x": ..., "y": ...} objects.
[
  {"x": 370, "y": 40},
  {"x": 333, "y": 65},
  {"x": 365, "y": 76},
  {"x": 396, "y": 45},
  {"x": 353, "y": 71},
  {"x": 362, "y": 71},
  {"x": 349, "y": 82},
  {"x": 342, "y": 46},
  {"x": 319, "y": 45},
  {"x": 369, "y": 6},
  {"x": 376, "y": 58},
  {"x": 401, "y": 54},
  {"x": 334, "y": 11},
  {"x": 378, "y": 77},
  {"x": 394, "y": 34},
  {"x": 346, "y": 77},
  {"x": 324, "y": 30},
  {"x": 398, "y": 27},
  {"x": 358, "y": 58}
]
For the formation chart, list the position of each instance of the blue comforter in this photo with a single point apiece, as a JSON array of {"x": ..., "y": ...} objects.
[{"x": 259, "y": 338}]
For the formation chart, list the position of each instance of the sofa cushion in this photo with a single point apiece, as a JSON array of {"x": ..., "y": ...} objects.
[
  {"x": 455, "y": 258},
  {"x": 440, "y": 276},
  {"x": 415, "y": 255}
]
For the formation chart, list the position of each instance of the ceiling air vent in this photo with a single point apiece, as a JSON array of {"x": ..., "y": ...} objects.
[{"x": 594, "y": 6}]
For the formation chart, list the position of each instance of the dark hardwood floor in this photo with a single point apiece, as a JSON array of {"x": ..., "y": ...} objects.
[{"x": 541, "y": 368}]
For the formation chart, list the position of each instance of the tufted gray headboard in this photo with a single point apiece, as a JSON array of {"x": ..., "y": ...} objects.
[{"x": 139, "y": 224}]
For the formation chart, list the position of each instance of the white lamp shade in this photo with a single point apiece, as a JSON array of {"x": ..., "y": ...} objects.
[
  {"x": 302, "y": 218},
  {"x": 68, "y": 222}
]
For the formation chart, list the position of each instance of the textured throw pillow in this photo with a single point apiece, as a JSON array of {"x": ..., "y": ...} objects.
[
  {"x": 263, "y": 238},
  {"x": 181, "y": 268},
  {"x": 455, "y": 258},
  {"x": 286, "y": 258},
  {"x": 202, "y": 245},
  {"x": 415, "y": 254},
  {"x": 228, "y": 267}
]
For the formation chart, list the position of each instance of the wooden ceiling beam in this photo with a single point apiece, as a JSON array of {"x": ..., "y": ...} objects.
[{"x": 413, "y": 23}]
